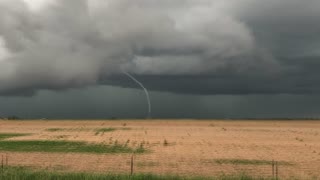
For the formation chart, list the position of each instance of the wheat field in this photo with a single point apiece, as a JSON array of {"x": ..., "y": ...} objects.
[{"x": 177, "y": 147}]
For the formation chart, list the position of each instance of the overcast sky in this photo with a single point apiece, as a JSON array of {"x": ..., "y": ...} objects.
[{"x": 198, "y": 58}]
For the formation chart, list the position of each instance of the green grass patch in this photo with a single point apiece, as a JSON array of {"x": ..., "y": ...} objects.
[
  {"x": 125, "y": 128},
  {"x": 103, "y": 130},
  {"x": 248, "y": 162},
  {"x": 55, "y": 129},
  {"x": 147, "y": 164},
  {"x": 10, "y": 135},
  {"x": 66, "y": 146},
  {"x": 29, "y": 174},
  {"x": 67, "y": 129},
  {"x": 97, "y": 131}
]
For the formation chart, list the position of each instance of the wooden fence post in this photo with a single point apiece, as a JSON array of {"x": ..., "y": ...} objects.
[
  {"x": 2, "y": 163},
  {"x": 272, "y": 165},
  {"x": 277, "y": 170},
  {"x": 131, "y": 165}
]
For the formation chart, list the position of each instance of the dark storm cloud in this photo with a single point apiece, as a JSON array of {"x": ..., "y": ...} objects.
[
  {"x": 287, "y": 28},
  {"x": 183, "y": 46}
]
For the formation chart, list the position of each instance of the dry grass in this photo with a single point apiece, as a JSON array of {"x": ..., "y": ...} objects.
[{"x": 186, "y": 147}]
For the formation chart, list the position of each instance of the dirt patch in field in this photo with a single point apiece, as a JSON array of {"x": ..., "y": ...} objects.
[{"x": 183, "y": 147}]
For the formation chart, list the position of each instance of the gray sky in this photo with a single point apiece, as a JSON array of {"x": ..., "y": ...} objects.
[{"x": 199, "y": 58}]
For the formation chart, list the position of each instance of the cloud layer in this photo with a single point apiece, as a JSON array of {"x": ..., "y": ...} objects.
[{"x": 183, "y": 46}]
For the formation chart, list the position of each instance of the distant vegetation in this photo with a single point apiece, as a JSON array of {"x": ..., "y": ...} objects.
[
  {"x": 248, "y": 162},
  {"x": 68, "y": 129},
  {"x": 66, "y": 146},
  {"x": 63, "y": 146},
  {"x": 55, "y": 129},
  {"x": 103, "y": 130},
  {"x": 10, "y": 135},
  {"x": 97, "y": 131},
  {"x": 13, "y": 118}
]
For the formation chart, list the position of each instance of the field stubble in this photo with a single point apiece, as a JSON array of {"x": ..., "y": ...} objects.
[{"x": 183, "y": 147}]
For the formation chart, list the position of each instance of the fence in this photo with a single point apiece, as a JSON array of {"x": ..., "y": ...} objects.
[{"x": 136, "y": 166}]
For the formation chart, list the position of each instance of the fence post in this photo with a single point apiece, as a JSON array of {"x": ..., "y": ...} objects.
[
  {"x": 131, "y": 165},
  {"x": 272, "y": 165},
  {"x": 277, "y": 170},
  {"x": 2, "y": 163}
]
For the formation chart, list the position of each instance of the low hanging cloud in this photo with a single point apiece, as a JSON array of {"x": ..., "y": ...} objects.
[{"x": 183, "y": 46}]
